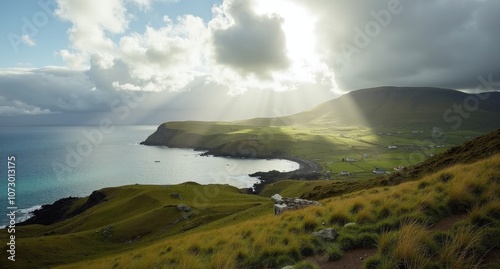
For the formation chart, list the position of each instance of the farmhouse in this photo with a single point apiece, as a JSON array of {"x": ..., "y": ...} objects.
[
  {"x": 399, "y": 168},
  {"x": 344, "y": 173},
  {"x": 378, "y": 171}
]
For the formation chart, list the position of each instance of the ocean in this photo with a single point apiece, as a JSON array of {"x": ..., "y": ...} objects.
[{"x": 53, "y": 162}]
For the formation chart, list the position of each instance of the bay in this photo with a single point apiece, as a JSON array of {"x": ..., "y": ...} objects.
[{"x": 54, "y": 162}]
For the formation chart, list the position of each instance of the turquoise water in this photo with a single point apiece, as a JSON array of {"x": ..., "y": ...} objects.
[{"x": 55, "y": 162}]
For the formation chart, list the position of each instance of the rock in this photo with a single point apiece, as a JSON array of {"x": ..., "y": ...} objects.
[
  {"x": 176, "y": 196},
  {"x": 328, "y": 234},
  {"x": 288, "y": 267},
  {"x": 183, "y": 208},
  {"x": 281, "y": 203},
  {"x": 279, "y": 208},
  {"x": 106, "y": 232},
  {"x": 350, "y": 224},
  {"x": 277, "y": 198}
]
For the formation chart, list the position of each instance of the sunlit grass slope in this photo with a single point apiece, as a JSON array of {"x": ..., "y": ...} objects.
[
  {"x": 131, "y": 217},
  {"x": 327, "y": 144},
  {"x": 394, "y": 219}
]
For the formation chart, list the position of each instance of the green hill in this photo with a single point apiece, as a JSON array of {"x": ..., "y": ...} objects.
[
  {"x": 416, "y": 122},
  {"x": 390, "y": 107},
  {"x": 150, "y": 227},
  {"x": 450, "y": 173}
]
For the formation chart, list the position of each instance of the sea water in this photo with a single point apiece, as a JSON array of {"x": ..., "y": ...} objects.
[{"x": 53, "y": 162}]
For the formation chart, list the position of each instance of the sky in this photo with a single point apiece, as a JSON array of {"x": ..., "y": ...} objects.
[{"x": 150, "y": 61}]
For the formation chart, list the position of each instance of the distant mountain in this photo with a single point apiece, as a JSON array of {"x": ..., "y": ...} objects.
[{"x": 401, "y": 106}]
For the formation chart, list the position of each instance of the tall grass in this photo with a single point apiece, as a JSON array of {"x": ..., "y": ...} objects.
[
  {"x": 462, "y": 250},
  {"x": 394, "y": 219}
]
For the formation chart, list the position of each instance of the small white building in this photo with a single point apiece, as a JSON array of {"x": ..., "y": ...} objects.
[
  {"x": 344, "y": 173},
  {"x": 392, "y": 147},
  {"x": 378, "y": 171},
  {"x": 399, "y": 168}
]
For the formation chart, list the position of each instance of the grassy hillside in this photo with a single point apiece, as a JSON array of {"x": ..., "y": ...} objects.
[
  {"x": 402, "y": 106},
  {"x": 384, "y": 127},
  {"x": 400, "y": 227},
  {"x": 130, "y": 217},
  {"x": 141, "y": 226},
  {"x": 151, "y": 226}
]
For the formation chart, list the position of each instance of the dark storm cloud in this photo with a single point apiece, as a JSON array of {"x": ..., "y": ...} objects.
[
  {"x": 412, "y": 43},
  {"x": 49, "y": 89},
  {"x": 253, "y": 44}
]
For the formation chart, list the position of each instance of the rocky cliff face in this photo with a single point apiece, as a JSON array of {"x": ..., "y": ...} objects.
[
  {"x": 175, "y": 138},
  {"x": 63, "y": 209}
]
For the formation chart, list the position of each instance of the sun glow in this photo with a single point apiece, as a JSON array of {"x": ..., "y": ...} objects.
[{"x": 299, "y": 28}]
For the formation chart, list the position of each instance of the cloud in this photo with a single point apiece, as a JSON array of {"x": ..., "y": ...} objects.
[
  {"x": 28, "y": 40},
  {"x": 264, "y": 45},
  {"x": 239, "y": 48},
  {"x": 423, "y": 43},
  {"x": 166, "y": 58},
  {"x": 91, "y": 21},
  {"x": 65, "y": 96},
  {"x": 17, "y": 107},
  {"x": 251, "y": 43},
  {"x": 53, "y": 89},
  {"x": 256, "y": 47}
]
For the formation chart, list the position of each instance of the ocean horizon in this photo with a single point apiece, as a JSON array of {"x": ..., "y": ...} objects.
[{"x": 54, "y": 162}]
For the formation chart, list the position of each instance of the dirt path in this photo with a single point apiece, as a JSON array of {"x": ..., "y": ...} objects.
[{"x": 352, "y": 259}]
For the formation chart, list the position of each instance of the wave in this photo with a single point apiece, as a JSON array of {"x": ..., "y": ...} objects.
[{"x": 23, "y": 214}]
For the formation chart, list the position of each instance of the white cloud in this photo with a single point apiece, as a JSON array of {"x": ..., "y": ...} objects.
[
  {"x": 281, "y": 45},
  {"x": 28, "y": 40},
  {"x": 91, "y": 21},
  {"x": 73, "y": 60},
  {"x": 169, "y": 57},
  {"x": 266, "y": 45},
  {"x": 17, "y": 107}
]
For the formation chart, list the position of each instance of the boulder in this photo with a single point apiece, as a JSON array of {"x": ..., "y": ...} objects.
[
  {"x": 277, "y": 198},
  {"x": 328, "y": 234},
  {"x": 350, "y": 224},
  {"x": 176, "y": 196},
  {"x": 183, "y": 208},
  {"x": 279, "y": 208},
  {"x": 288, "y": 267},
  {"x": 281, "y": 203}
]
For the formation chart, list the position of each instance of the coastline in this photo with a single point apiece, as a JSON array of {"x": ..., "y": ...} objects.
[{"x": 308, "y": 170}]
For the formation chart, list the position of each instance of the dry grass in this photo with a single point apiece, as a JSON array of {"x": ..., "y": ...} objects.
[{"x": 393, "y": 218}]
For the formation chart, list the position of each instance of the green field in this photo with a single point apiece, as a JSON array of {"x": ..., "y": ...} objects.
[
  {"x": 357, "y": 150},
  {"x": 141, "y": 226}
]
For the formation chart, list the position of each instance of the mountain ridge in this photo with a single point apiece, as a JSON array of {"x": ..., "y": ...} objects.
[{"x": 395, "y": 106}]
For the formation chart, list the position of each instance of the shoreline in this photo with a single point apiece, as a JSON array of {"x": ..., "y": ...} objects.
[{"x": 308, "y": 170}]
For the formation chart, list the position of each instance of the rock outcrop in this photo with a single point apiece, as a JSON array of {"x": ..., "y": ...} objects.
[
  {"x": 328, "y": 234},
  {"x": 183, "y": 208},
  {"x": 63, "y": 209},
  {"x": 282, "y": 204},
  {"x": 176, "y": 196}
]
